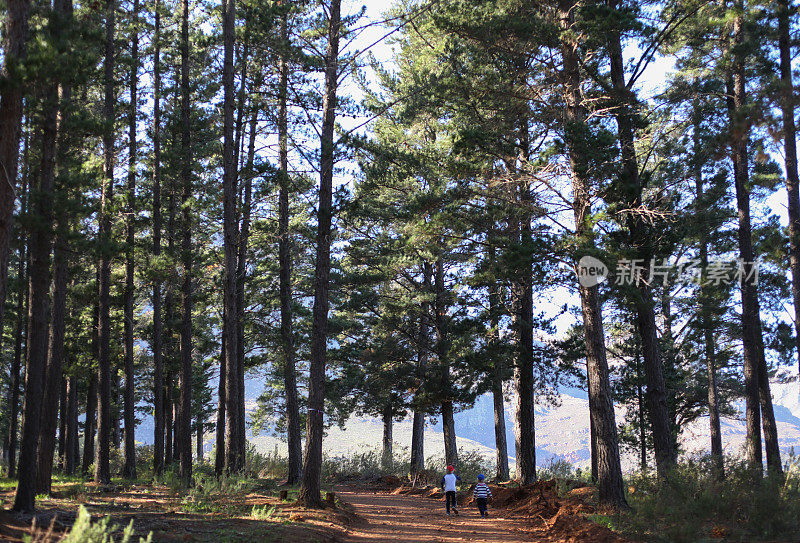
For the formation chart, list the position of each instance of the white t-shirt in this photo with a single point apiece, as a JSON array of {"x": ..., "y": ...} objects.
[{"x": 450, "y": 482}]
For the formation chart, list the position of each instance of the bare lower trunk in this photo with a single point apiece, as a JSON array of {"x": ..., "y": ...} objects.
[
  {"x": 312, "y": 463},
  {"x": 417, "y": 462},
  {"x": 62, "y": 422},
  {"x": 89, "y": 425},
  {"x": 423, "y": 341},
  {"x": 445, "y": 387},
  {"x": 498, "y": 399},
  {"x": 501, "y": 446},
  {"x": 219, "y": 446},
  {"x": 199, "y": 441},
  {"x": 386, "y": 453},
  {"x": 449, "y": 431},
  {"x": 22, "y": 313},
  {"x": 168, "y": 439},
  {"x": 658, "y": 410},
  {"x": 640, "y": 403},
  {"x": 71, "y": 427},
  {"x": 771, "y": 443}
]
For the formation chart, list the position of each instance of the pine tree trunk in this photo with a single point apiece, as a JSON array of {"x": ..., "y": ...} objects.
[
  {"x": 609, "y": 472},
  {"x": 62, "y": 422},
  {"x": 129, "y": 468},
  {"x": 705, "y": 313},
  {"x": 312, "y": 463},
  {"x": 16, "y": 363},
  {"x": 168, "y": 439},
  {"x": 39, "y": 313},
  {"x": 199, "y": 441},
  {"x": 89, "y": 425},
  {"x": 790, "y": 157},
  {"x": 158, "y": 329},
  {"x": 71, "y": 427},
  {"x": 593, "y": 446},
  {"x": 14, "y": 50},
  {"x": 501, "y": 445},
  {"x": 756, "y": 385},
  {"x": 448, "y": 421},
  {"x": 423, "y": 346},
  {"x": 640, "y": 404},
  {"x": 185, "y": 440},
  {"x": 771, "y": 442},
  {"x": 525, "y": 434},
  {"x": 116, "y": 430},
  {"x": 102, "y": 472},
  {"x": 233, "y": 459},
  {"x": 293, "y": 437},
  {"x": 241, "y": 263},
  {"x": 53, "y": 375},
  {"x": 663, "y": 442},
  {"x": 244, "y": 209},
  {"x": 498, "y": 399},
  {"x": 219, "y": 445},
  {"x": 386, "y": 453}
]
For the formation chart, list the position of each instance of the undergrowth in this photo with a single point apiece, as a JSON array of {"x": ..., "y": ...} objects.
[{"x": 692, "y": 504}]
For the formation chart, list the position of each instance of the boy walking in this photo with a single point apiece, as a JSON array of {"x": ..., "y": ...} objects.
[
  {"x": 449, "y": 485},
  {"x": 482, "y": 495}
]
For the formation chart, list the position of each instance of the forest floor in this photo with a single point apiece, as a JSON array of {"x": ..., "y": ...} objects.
[{"x": 365, "y": 512}]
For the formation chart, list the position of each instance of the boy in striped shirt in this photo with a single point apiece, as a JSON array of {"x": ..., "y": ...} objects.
[{"x": 482, "y": 495}]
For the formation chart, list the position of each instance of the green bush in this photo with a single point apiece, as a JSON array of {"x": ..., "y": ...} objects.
[
  {"x": 692, "y": 504},
  {"x": 213, "y": 494},
  {"x": 102, "y": 531},
  {"x": 264, "y": 512},
  {"x": 470, "y": 464}
]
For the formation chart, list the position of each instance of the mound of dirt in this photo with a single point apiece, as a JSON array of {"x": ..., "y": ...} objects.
[
  {"x": 569, "y": 528},
  {"x": 428, "y": 491},
  {"x": 560, "y": 505}
]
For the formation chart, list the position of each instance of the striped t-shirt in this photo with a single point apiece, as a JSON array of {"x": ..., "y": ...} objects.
[{"x": 482, "y": 491}]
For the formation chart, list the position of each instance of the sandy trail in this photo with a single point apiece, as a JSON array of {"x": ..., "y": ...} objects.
[{"x": 414, "y": 519}]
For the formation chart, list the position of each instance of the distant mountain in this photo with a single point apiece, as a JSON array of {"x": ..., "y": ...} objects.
[{"x": 562, "y": 431}]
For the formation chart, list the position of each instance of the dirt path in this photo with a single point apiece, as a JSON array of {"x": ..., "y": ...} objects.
[{"x": 414, "y": 519}]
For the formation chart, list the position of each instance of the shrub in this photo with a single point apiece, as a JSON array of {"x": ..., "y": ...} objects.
[
  {"x": 557, "y": 468},
  {"x": 86, "y": 531},
  {"x": 264, "y": 512},
  {"x": 470, "y": 464},
  {"x": 213, "y": 495},
  {"x": 692, "y": 504}
]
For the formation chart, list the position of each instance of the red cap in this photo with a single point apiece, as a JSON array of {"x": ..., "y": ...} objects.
[{"x": 450, "y": 468}]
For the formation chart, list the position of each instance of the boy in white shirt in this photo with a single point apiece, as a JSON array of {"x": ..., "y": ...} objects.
[{"x": 449, "y": 485}]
